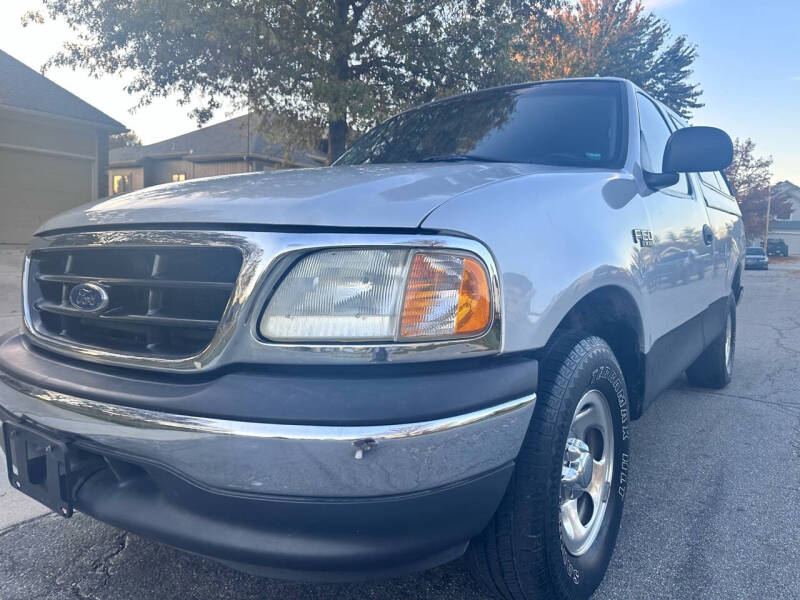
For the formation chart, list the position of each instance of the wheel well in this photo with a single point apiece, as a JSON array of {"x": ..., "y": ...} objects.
[{"x": 611, "y": 314}]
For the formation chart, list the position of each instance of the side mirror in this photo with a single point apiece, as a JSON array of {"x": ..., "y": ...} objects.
[{"x": 697, "y": 150}]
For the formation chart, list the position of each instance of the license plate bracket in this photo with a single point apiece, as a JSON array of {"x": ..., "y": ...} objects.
[{"x": 39, "y": 465}]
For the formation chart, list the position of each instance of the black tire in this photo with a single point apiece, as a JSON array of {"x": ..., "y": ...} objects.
[
  {"x": 713, "y": 369},
  {"x": 520, "y": 555}
]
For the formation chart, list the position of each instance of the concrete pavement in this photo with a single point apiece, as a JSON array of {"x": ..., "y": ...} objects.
[
  {"x": 713, "y": 507},
  {"x": 14, "y": 507},
  {"x": 11, "y": 258}
]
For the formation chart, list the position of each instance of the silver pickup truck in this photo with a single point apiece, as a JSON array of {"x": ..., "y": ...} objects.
[{"x": 434, "y": 346}]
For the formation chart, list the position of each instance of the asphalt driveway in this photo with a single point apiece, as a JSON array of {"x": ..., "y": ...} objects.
[{"x": 713, "y": 508}]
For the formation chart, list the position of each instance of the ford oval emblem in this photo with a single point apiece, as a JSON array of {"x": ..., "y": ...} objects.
[{"x": 88, "y": 297}]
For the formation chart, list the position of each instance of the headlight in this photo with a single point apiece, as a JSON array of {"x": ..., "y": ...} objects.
[{"x": 392, "y": 294}]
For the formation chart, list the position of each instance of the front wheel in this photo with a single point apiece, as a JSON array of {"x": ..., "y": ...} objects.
[{"x": 555, "y": 530}]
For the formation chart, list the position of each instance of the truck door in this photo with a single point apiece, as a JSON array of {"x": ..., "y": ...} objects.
[
  {"x": 680, "y": 270},
  {"x": 726, "y": 224}
]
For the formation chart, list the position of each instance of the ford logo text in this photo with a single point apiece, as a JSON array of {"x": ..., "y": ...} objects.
[{"x": 88, "y": 297}]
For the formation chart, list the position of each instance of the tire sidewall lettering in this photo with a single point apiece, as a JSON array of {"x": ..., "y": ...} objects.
[
  {"x": 607, "y": 379},
  {"x": 606, "y": 374},
  {"x": 572, "y": 571}
]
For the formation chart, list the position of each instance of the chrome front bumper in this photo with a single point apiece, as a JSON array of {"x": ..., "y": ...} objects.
[{"x": 285, "y": 460}]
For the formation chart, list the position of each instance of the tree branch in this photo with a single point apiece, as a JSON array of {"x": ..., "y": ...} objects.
[
  {"x": 358, "y": 10},
  {"x": 385, "y": 62},
  {"x": 395, "y": 26}
]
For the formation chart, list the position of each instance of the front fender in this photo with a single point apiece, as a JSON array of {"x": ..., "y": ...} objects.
[{"x": 555, "y": 238}]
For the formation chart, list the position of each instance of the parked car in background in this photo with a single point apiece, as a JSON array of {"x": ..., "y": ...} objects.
[
  {"x": 777, "y": 247},
  {"x": 756, "y": 258},
  {"x": 679, "y": 266},
  {"x": 435, "y": 346}
]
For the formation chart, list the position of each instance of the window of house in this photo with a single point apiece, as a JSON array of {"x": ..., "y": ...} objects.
[
  {"x": 121, "y": 184},
  {"x": 178, "y": 177},
  {"x": 655, "y": 133}
]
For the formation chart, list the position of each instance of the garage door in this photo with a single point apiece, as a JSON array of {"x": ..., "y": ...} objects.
[
  {"x": 792, "y": 239},
  {"x": 34, "y": 187}
]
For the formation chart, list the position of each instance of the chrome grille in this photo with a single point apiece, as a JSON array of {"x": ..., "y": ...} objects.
[{"x": 163, "y": 301}]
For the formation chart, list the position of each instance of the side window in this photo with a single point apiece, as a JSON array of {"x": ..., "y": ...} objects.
[
  {"x": 716, "y": 180},
  {"x": 655, "y": 132},
  {"x": 723, "y": 183},
  {"x": 709, "y": 178}
]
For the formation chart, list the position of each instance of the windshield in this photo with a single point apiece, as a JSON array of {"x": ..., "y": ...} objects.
[
  {"x": 755, "y": 252},
  {"x": 577, "y": 123}
]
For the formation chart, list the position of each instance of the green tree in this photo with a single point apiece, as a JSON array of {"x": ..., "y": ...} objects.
[
  {"x": 124, "y": 140},
  {"x": 614, "y": 38},
  {"x": 338, "y": 63}
]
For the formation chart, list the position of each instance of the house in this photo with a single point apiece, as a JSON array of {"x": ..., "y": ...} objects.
[
  {"x": 787, "y": 227},
  {"x": 233, "y": 146},
  {"x": 53, "y": 150},
  {"x": 790, "y": 193}
]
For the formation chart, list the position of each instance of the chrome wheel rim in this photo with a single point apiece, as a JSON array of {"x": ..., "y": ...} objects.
[
  {"x": 728, "y": 343},
  {"x": 586, "y": 473}
]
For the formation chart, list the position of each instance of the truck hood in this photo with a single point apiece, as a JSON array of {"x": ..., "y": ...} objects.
[{"x": 347, "y": 196}]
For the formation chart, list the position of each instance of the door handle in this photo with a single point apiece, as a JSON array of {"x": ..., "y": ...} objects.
[{"x": 708, "y": 235}]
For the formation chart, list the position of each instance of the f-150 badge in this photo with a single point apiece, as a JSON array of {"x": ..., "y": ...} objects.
[{"x": 643, "y": 237}]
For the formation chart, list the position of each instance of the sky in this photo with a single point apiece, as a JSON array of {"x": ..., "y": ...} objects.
[
  {"x": 748, "y": 67},
  {"x": 34, "y": 44}
]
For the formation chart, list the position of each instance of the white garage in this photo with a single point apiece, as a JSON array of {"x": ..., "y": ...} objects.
[
  {"x": 38, "y": 186},
  {"x": 53, "y": 150},
  {"x": 789, "y": 233}
]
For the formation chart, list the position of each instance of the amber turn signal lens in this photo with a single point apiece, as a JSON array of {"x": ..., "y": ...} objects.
[
  {"x": 472, "y": 314},
  {"x": 446, "y": 295}
]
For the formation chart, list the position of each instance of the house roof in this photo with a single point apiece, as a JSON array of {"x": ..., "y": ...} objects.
[
  {"x": 234, "y": 138},
  {"x": 22, "y": 87},
  {"x": 786, "y": 188}
]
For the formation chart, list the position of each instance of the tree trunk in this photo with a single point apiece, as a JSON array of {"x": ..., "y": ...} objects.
[
  {"x": 337, "y": 138},
  {"x": 337, "y": 110}
]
